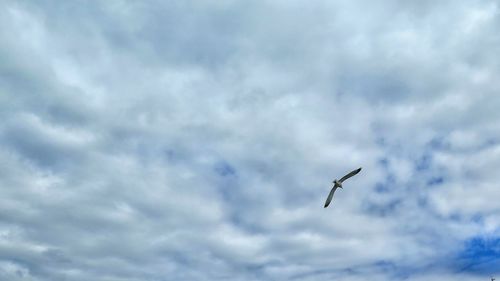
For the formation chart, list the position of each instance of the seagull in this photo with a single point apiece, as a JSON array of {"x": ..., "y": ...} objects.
[{"x": 337, "y": 184}]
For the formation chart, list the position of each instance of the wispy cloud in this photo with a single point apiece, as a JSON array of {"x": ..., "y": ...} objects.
[{"x": 197, "y": 141}]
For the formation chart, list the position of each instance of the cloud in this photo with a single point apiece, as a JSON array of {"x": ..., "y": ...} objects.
[{"x": 195, "y": 141}]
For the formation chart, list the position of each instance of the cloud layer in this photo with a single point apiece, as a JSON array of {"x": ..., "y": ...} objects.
[{"x": 197, "y": 141}]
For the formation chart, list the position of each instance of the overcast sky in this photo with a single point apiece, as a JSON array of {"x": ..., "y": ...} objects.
[{"x": 197, "y": 140}]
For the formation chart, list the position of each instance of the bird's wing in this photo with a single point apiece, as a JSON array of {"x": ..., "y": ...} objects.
[
  {"x": 330, "y": 196},
  {"x": 350, "y": 175}
]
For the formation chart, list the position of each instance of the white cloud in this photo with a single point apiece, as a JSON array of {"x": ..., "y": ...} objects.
[{"x": 189, "y": 141}]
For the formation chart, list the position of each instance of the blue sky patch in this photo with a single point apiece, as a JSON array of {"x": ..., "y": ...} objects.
[
  {"x": 224, "y": 169},
  {"x": 480, "y": 255},
  {"x": 423, "y": 163},
  {"x": 435, "y": 181}
]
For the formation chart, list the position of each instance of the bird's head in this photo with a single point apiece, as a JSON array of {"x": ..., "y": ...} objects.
[{"x": 337, "y": 183}]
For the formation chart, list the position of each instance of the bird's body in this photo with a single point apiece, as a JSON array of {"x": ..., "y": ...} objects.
[{"x": 337, "y": 184}]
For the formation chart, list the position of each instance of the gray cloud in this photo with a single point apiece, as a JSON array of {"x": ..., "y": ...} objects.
[{"x": 195, "y": 141}]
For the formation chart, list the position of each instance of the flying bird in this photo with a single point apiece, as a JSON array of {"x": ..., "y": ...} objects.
[{"x": 337, "y": 184}]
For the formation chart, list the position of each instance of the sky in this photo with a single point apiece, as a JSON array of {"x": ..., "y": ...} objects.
[{"x": 198, "y": 140}]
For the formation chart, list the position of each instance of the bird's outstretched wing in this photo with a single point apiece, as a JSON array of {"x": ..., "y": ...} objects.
[
  {"x": 330, "y": 196},
  {"x": 349, "y": 175}
]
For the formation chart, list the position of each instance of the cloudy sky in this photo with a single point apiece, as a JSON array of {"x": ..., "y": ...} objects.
[{"x": 197, "y": 140}]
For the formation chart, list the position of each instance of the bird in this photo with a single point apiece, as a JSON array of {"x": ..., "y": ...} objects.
[{"x": 338, "y": 183}]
